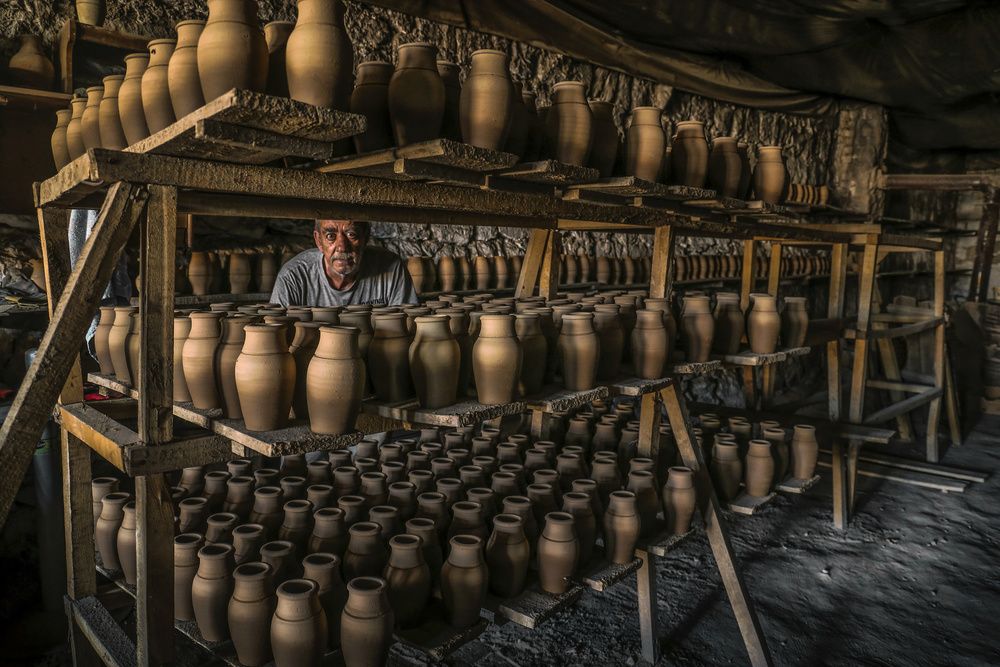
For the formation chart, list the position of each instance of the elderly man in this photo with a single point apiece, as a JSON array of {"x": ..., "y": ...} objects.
[{"x": 342, "y": 270}]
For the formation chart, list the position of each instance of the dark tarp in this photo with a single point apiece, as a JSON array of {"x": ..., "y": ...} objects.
[{"x": 935, "y": 64}]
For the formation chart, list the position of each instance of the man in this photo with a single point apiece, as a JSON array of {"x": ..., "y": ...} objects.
[{"x": 343, "y": 270}]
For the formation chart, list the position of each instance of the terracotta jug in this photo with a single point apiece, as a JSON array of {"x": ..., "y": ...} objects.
[
  {"x": 642, "y": 483},
  {"x": 487, "y": 100},
  {"x": 60, "y": 149},
  {"x": 232, "y": 52},
  {"x": 324, "y": 569},
  {"x": 501, "y": 271},
  {"x": 409, "y": 579},
  {"x": 507, "y": 555},
  {"x": 520, "y": 124},
  {"x": 186, "y": 547},
  {"x": 569, "y": 125},
  {"x": 107, "y": 525},
  {"x": 319, "y": 57},
  {"x": 416, "y": 94},
  {"x": 435, "y": 358},
  {"x": 579, "y": 350},
  {"x": 250, "y": 611},
  {"x": 805, "y": 451},
  {"x": 101, "y": 336},
  {"x": 464, "y": 581},
  {"x": 183, "y": 82},
  {"x": 794, "y": 322},
  {"x": 74, "y": 130},
  {"x": 621, "y": 527},
  {"x": 448, "y": 272},
  {"x": 91, "y": 12},
  {"x": 729, "y": 323},
  {"x": 725, "y": 167},
  {"x": 604, "y": 151},
  {"x": 649, "y": 344},
  {"x": 198, "y": 360},
  {"x": 534, "y": 351},
  {"x": 769, "y": 176},
  {"x": 156, "y": 101},
  {"x": 690, "y": 154},
  {"x": 388, "y": 358},
  {"x": 116, "y": 342},
  {"x": 239, "y": 272},
  {"x": 371, "y": 100},
  {"x": 29, "y": 68},
  {"x": 367, "y": 623},
  {"x": 679, "y": 499},
  {"x": 779, "y": 451},
  {"x": 335, "y": 381},
  {"x": 299, "y": 625},
  {"x": 228, "y": 351},
  {"x": 558, "y": 553},
  {"x": 90, "y": 123},
  {"x": 698, "y": 327},
  {"x": 109, "y": 121},
  {"x": 496, "y": 360},
  {"x": 451, "y": 124},
  {"x": 763, "y": 325},
  {"x": 760, "y": 471},
  {"x": 130, "y": 109},
  {"x": 211, "y": 590},
  {"x": 282, "y": 557},
  {"x": 265, "y": 377},
  {"x": 132, "y": 347},
  {"x": 200, "y": 273},
  {"x": 726, "y": 470},
  {"x": 645, "y": 142}
]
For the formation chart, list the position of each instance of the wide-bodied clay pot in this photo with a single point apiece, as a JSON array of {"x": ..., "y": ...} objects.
[
  {"x": 335, "y": 381},
  {"x": 805, "y": 451},
  {"x": 91, "y": 12},
  {"x": 90, "y": 123},
  {"x": 451, "y": 123},
  {"x": 211, "y": 591},
  {"x": 155, "y": 87},
  {"x": 29, "y": 67},
  {"x": 324, "y": 569},
  {"x": 579, "y": 350},
  {"x": 746, "y": 173},
  {"x": 569, "y": 125},
  {"x": 698, "y": 327},
  {"x": 416, "y": 94},
  {"x": 299, "y": 626},
  {"x": 649, "y": 344},
  {"x": 228, "y": 351},
  {"x": 487, "y": 100},
  {"x": 621, "y": 527},
  {"x": 319, "y": 58},
  {"x": 198, "y": 360},
  {"x": 645, "y": 144},
  {"x": 763, "y": 325},
  {"x": 109, "y": 121},
  {"x": 388, "y": 358},
  {"x": 725, "y": 168},
  {"x": 367, "y": 623},
  {"x": 232, "y": 52},
  {"x": 74, "y": 130},
  {"x": 371, "y": 100},
  {"x": 435, "y": 358},
  {"x": 130, "y": 109},
  {"x": 507, "y": 555},
  {"x": 679, "y": 499},
  {"x": 183, "y": 81},
  {"x": 409, "y": 579},
  {"x": 60, "y": 149},
  {"x": 265, "y": 377},
  {"x": 250, "y": 611},
  {"x": 604, "y": 150},
  {"x": 794, "y": 322},
  {"x": 496, "y": 360},
  {"x": 240, "y": 272},
  {"x": 769, "y": 176},
  {"x": 464, "y": 581},
  {"x": 690, "y": 154}
]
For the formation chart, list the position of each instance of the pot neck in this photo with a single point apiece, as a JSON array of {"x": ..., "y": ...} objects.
[
  {"x": 571, "y": 92},
  {"x": 240, "y": 11},
  {"x": 417, "y": 55},
  {"x": 265, "y": 339},
  {"x": 486, "y": 61},
  {"x": 338, "y": 343},
  {"x": 135, "y": 65},
  {"x": 160, "y": 51},
  {"x": 321, "y": 11},
  {"x": 188, "y": 33}
]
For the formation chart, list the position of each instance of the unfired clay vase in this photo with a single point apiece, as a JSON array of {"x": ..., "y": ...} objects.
[
  {"x": 239, "y": 272},
  {"x": 536, "y": 129},
  {"x": 90, "y": 12},
  {"x": 451, "y": 123},
  {"x": 690, "y": 154},
  {"x": 101, "y": 340},
  {"x": 769, "y": 176},
  {"x": 569, "y": 126},
  {"x": 725, "y": 169},
  {"x": 250, "y": 611},
  {"x": 324, "y": 569},
  {"x": 232, "y": 52},
  {"x": 759, "y": 469},
  {"x": 416, "y": 94},
  {"x": 486, "y": 106},
  {"x": 265, "y": 377},
  {"x": 186, "y": 548},
  {"x": 558, "y": 553},
  {"x": 228, "y": 351},
  {"x": 763, "y": 325},
  {"x": 434, "y": 362},
  {"x": 805, "y": 451},
  {"x": 698, "y": 327},
  {"x": 299, "y": 626},
  {"x": 183, "y": 81},
  {"x": 726, "y": 470},
  {"x": 642, "y": 483},
  {"x": 580, "y": 506},
  {"x": 534, "y": 349},
  {"x": 649, "y": 344},
  {"x": 109, "y": 121},
  {"x": 335, "y": 381},
  {"x": 409, "y": 579},
  {"x": 302, "y": 349},
  {"x": 779, "y": 451},
  {"x": 319, "y": 58},
  {"x": 60, "y": 149},
  {"x": 507, "y": 555},
  {"x": 107, "y": 525},
  {"x": 604, "y": 150},
  {"x": 679, "y": 499},
  {"x": 198, "y": 360},
  {"x": 74, "y": 130},
  {"x": 579, "y": 350},
  {"x": 200, "y": 273},
  {"x": 496, "y": 360},
  {"x": 464, "y": 581},
  {"x": 367, "y": 623},
  {"x": 729, "y": 323},
  {"x": 90, "y": 120},
  {"x": 607, "y": 325},
  {"x": 794, "y": 322},
  {"x": 459, "y": 323},
  {"x": 645, "y": 144},
  {"x": 621, "y": 527},
  {"x": 211, "y": 590},
  {"x": 366, "y": 554},
  {"x": 155, "y": 89},
  {"x": 371, "y": 100},
  {"x": 29, "y": 68},
  {"x": 133, "y": 116},
  {"x": 117, "y": 339}
]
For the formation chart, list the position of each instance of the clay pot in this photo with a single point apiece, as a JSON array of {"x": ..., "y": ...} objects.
[
  {"x": 108, "y": 118},
  {"x": 335, "y": 381},
  {"x": 156, "y": 101},
  {"x": 371, "y": 100},
  {"x": 232, "y": 52},
  {"x": 794, "y": 322},
  {"x": 611, "y": 337},
  {"x": 130, "y": 109},
  {"x": 520, "y": 124},
  {"x": 302, "y": 349},
  {"x": 534, "y": 350},
  {"x": 265, "y": 377},
  {"x": 239, "y": 497},
  {"x": 698, "y": 328},
  {"x": 267, "y": 509},
  {"x": 324, "y": 569},
  {"x": 281, "y": 556},
  {"x": 645, "y": 141},
  {"x": 486, "y": 106},
  {"x": 211, "y": 590},
  {"x": 621, "y": 527},
  {"x": 579, "y": 350},
  {"x": 101, "y": 344},
  {"x": 90, "y": 12},
  {"x": 319, "y": 57},
  {"x": 580, "y": 506},
  {"x": 805, "y": 451},
  {"x": 250, "y": 611},
  {"x": 186, "y": 547},
  {"x": 198, "y": 360},
  {"x": 183, "y": 82},
  {"x": 690, "y": 154},
  {"x": 649, "y": 344},
  {"x": 107, "y": 525},
  {"x": 679, "y": 499},
  {"x": 763, "y": 325},
  {"x": 116, "y": 342},
  {"x": 416, "y": 95},
  {"x": 459, "y": 323},
  {"x": 604, "y": 150},
  {"x": 464, "y": 581},
  {"x": 366, "y": 555},
  {"x": 507, "y": 555},
  {"x": 729, "y": 324},
  {"x": 60, "y": 149},
  {"x": 726, "y": 470},
  {"x": 746, "y": 173},
  {"x": 569, "y": 125},
  {"x": 409, "y": 579},
  {"x": 642, "y": 483},
  {"x": 725, "y": 168},
  {"x": 29, "y": 68},
  {"x": 496, "y": 360},
  {"x": 779, "y": 451},
  {"x": 448, "y": 272},
  {"x": 239, "y": 273},
  {"x": 329, "y": 532},
  {"x": 435, "y": 358},
  {"x": 200, "y": 273},
  {"x": 74, "y": 129},
  {"x": 760, "y": 469},
  {"x": 90, "y": 124},
  {"x": 769, "y": 176},
  {"x": 132, "y": 347},
  {"x": 558, "y": 553},
  {"x": 451, "y": 124},
  {"x": 299, "y": 625},
  {"x": 367, "y": 623},
  {"x": 226, "y": 354},
  {"x": 501, "y": 271}
]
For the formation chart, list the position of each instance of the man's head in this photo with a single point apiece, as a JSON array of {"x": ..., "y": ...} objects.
[{"x": 342, "y": 242}]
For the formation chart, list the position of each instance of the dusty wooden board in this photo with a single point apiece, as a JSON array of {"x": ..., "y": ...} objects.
[
  {"x": 749, "y": 358},
  {"x": 747, "y": 504},
  {"x": 604, "y": 575},
  {"x": 112, "y": 644},
  {"x": 728, "y": 205},
  {"x": 796, "y": 485},
  {"x": 440, "y": 152},
  {"x": 549, "y": 172},
  {"x": 207, "y": 299},
  {"x": 905, "y": 476},
  {"x": 694, "y": 367},
  {"x": 638, "y": 386},
  {"x": 630, "y": 186},
  {"x": 435, "y": 636},
  {"x": 938, "y": 469},
  {"x": 564, "y": 399},
  {"x": 534, "y": 606},
  {"x": 465, "y": 413},
  {"x": 664, "y": 542},
  {"x": 274, "y": 125}
]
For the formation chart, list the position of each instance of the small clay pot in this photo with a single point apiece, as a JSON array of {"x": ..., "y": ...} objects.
[
  {"x": 91, "y": 12},
  {"x": 730, "y": 324},
  {"x": 409, "y": 579},
  {"x": 649, "y": 344},
  {"x": 29, "y": 68},
  {"x": 759, "y": 469},
  {"x": 794, "y": 322},
  {"x": 690, "y": 154},
  {"x": 60, "y": 149},
  {"x": 579, "y": 350},
  {"x": 770, "y": 177},
  {"x": 198, "y": 360},
  {"x": 335, "y": 381},
  {"x": 186, "y": 547},
  {"x": 107, "y": 526},
  {"x": 698, "y": 327},
  {"x": 726, "y": 470},
  {"x": 496, "y": 360},
  {"x": 451, "y": 123},
  {"x": 622, "y": 526},
  {"x": 763, "y": 325},
  {"x": 74, "y": 129},
  {"x": 507, "y": 555},
  {"x": 435, "y": 359},
  {"x": 604, "y": 150},
  {"x": 265, "y": 377},
  {"x": 558, "y": 553},
  {"x": 645, "y": 142},
  {"x": 90, "y": 123}
]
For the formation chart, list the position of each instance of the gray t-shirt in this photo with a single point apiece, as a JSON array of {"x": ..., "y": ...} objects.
[{"x": 383, "y": 280}]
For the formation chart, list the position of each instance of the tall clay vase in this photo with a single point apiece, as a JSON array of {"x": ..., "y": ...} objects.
[
  {"x": 90, "y": 12},
  {"x": 534, "y": 352},
  {"x": 569, "y": 125},
  {"x": 155, "y": 89},
  {"x": 183, "y": 82},
  {"x": 621, "y": 527},
  {"x": 371, "y": 100},
  {"x": 579, "y": 350},
  {"x": 276, "y": 34},
  {"x": 74, "y": 130},
  {"x": 298, "y": 627},
  {"x": 29, "y": 68},
  {"x": 730, "y": 325},
  {"x": 409, "y": 579},
  {"x": 302, "y": 349},
  {"x": 435, "y": 358},
  {"x": 507, "y": 555},
  {"x": 186, "y": 547},
  {"x": 200, "y": 273},
  {"x": 451, "y": 123},
  {"x": 125, "y": 544},
  {"x": 496, "y": 360},
  {"x": 130, "y": 110},
  {"x": 239, "y": 272},
  {"x": 106, "y": 529},
  {"x": 558, "y": 553},
  {"x": 464, "y": 581},
  {"x": 725, "y": 168},
  {"x": 116, "y": 342},
  {"x": 232, "y": 52},
  {"x": 226, "y": 354},
  {"x": 780, "y": 451},
  {"x": 690, "y": 154},
  {"x": 769, "y": 176},
  {"x": 794, "y": 322},
  {"x": 90, "y": 123},
  {"x": 367, "y": 623},
  {"x": 265, "y": 377},
  {"x": 319, "y": 58},
  {"x": 608, "y": 326},
  {"x": 198, "y": 360},
  {"x": 726, "y": 470},
  {"x": 763, "y": 325},
  {"x": 520, "y": 124},
  {"x": 132, "y": 347},
  {"x": 805, "y": 451},
  {"x": 324, "y": 569},
  {"x": 649, "y": 344},
  {"x": 645, "y": 144},
  {"x": 250, "y": 611},
  {"x": 759, "y": 469},
  {"x": 101, "y": 340},
  {"x": 487, "y": 101},
  {"x": 211, "y": 590},
  {"x": 679, "y": 498},
  {"x": 60, "y": 149},
  {"x": 698, "y": 327},
  {"x": 604, "y": 150},
  {"x": 335, "y": 381},
  {"x": 108, "y": 119},
  {"x": 416, "y": 94},
  {"x": 388, "y": 358}
]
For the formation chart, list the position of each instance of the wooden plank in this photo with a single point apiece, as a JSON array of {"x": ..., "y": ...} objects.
[
  {"x": 841, "y": 512},
  {"x": 648, "y": 445},
  {"x": 934, "y": 411},
  {"x": 907, "y": 477},
  {"x": 749, "y": 505},
  {"x": 664, "y": 542},
  {"x": 534, "y": 606},
  {"x": 78, "y": 521},
  {"x": 564, "y": 399},
  {"x": 860, "y": 372},
  {"x": 437, "y": 173},
  {"x": 694, "y": 367},
  {"x": 435, "y": 636},
  {"x": 894, "y": 332},
  {"x": 630, "y": 186},
  {"x": 527, "y": 280},
  {"x": 113, "y": 646},
  {"x": 649, "y": 607},
  {"x": 465, "y": 413},
  {"x": 638, "y": 386},
  {"x": 748, "y": 358},
  {"x": 897, "y": 386},
  {"x": 835, "y": 311},
  {"x": 154, "y": 570},
  {"x": 382, "y": 163},
  {"x": 104, "y": 435},
  {"x": 550, "y": 172},
  {"x": 60, "y": 345},
  {"x": 904, "y": 406},
  {"x": 234, "y": 140},
  {"x": 661, "y": 277},
  {"x": 548, "y": 279},
  {"x": 796, "y": 485},
  {"x": 604, "y": 575}
]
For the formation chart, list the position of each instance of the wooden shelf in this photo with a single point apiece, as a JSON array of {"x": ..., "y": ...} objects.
[
  {"x": 437, "y": 160},
  {"x": 748, "y": 358},
  {"x": 464, "y": 413},
  {"x": 604, "y": 574},
  {"x": 32, "y": 99},
  {"x": 560, "y": 400},
  {"x": 796, "y": 485},
  {"x": 749, "y": 505},
  {"x": 534, "y": 606},
  {"x": 109, "y": 46},
  {"x": 664, "y": 542}
]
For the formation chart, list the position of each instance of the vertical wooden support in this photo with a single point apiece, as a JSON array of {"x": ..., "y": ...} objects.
[
  {"x": 648, "y": 446},
  {"x": 53, "y": 229},
  {"x": 769, "y": 371},
  {"x": 548, "y": 282},
  {"x": 540, "y": 424},
  {"x": 951, "y": 403},
  {"x": 890, "y": 365},
  {"x": 661, "y": 278},
  {"x": 154, "y": 509},
  {"x": 934, "y": 411},
  {"x": 835, "y": 310},
  {"x": 715, "y": 528},
  {"x": 749, "y": 274},
  {"x": 774, "y": 270},
  {"x": 985, "y": 245},
  {"x": 527, "y": 280}
]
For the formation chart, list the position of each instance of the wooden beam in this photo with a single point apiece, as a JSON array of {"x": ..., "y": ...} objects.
[
  {"x": 548, "y": 281},
  {"x": 53, "y": 228},
  {"x": 934, "y": 412},
  {"x": 985, "y": 246},
  {"x": 78, "y": 522},
  {"x": 60, "y": 345},
  {"x": 835, "y": 311},
  {"x": 527, "y": 280},
  {"x": 904, "y": 406},
  {"x": 661, "y": 278},
  {"x": 113, "y": 646}
]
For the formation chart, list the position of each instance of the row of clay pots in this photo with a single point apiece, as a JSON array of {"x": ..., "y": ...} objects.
[
  {"x": 800, "y": 193},
  {"x": 721, "y": 330},
  {"x": 459, "y": 273},
  {"x": 29, "y": 67},
  {"x": 574, "y": 269},
  {"x": 707, "y": 267},
  {"x": 246, "y": 272}
]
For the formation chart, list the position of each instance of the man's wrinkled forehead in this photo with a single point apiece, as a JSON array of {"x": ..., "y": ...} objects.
[{"x": 345, "y": 225}]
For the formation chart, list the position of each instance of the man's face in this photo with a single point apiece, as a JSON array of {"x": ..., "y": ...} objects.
[{"x": 341, "y": 243}]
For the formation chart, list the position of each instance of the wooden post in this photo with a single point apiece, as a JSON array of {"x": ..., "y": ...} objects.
[
  {"x": 934, "y": 409},
  {"x": 749, "y": 276},
  {"x": 661, "y": 278},
  {"x": 769, "y": 371},
  {"x": 548, "y": 282},
  {"x": 890, "y": 364},
  {"x": 985, "y": 244},
  {"x": 527, "y": 281},
  {"x": 835, "y": 310},
  {"x": 649, "y": 447},
  {"x": 53, "y": 229}
]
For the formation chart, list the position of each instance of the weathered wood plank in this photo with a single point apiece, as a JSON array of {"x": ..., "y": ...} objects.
[
  {"x": 833, "y": 430},
  {"x": 631, "y": 186},
  {"x": 604, "y": 575},
  {"x": 104, "y": 435},
  {"x": 154, "y": 570},
  {"x": 113, "y": 646},
  {"x": 748, "y": 505},
  {"x": 531, "y": 267},
  {"x": 435, "y": 636},
  {"x": 549, "y": 172},
  {"x": 904, "y": 406},
  {"x": 638, "y": 386},
  {"x": 78, "y": 522},
  {"x": 906, "y": 476},
  {"x": 442, "y": 152},
  {"x": 796, "y": 485},
  {"x": 464, "y": 413},
  {"x": 661, "y": 275},
  {"x": 922, "y": 466},
  {"x": 564, "y": 399},
  {"x": 534, "y": 606}
]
